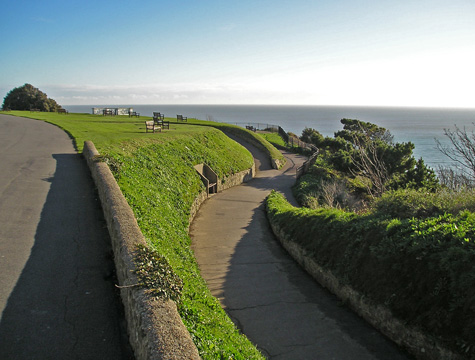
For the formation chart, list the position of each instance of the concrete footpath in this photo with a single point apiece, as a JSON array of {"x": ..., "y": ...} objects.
[
  {"x": 271, "y": 299},
  {"x": 57, "y": 295}
]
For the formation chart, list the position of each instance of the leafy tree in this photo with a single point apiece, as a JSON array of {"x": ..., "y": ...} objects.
[{"x": 28, "y": 97}]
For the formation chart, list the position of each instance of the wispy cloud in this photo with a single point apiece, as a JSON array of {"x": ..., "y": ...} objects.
[{"x": 183, "y": 93}]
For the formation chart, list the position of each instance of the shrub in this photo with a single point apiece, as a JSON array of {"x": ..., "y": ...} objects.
[
  {"x": 28, "y": 97},
  {"x": 409, "y": 203}
]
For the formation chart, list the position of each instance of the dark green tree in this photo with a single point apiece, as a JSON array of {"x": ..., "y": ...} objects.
[
  {"x": 28, "y": 97},
  {"x": 312, "y": 136}
]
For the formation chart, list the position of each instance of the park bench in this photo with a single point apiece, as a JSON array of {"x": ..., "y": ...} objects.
[
  {"x": 181, "y": 118},
  {"x": 151, "y": 126},
  {"x": 134, "y": 113},
  {"x": 252, "y": 128},
  {"x": 62, "y": 111},
  {"x": 159, "y": 119},
  {"x": 106, "y": 112}
]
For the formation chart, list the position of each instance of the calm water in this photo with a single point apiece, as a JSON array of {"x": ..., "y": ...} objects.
[{"x": 421, "y": 126}]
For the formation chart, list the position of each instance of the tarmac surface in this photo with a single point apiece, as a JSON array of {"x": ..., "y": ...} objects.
[
  {"x": 57, "y": 295},
  {"x": 274, "y": 302}
]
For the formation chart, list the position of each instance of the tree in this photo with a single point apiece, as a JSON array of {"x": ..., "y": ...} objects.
[
  {"x": 312, "y": 136},
  {"x": 28, "y": 97},
  {"x": 367, "y": 150},
  {"x": 462, "y": 152}
]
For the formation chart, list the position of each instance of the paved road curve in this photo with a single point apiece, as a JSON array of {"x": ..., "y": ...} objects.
[
  {"x": 271, "y": 299},
  {"x": 57, "y": 297}
]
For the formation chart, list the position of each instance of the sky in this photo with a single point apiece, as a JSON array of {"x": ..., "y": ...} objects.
[{"x": 279, "y": 52}]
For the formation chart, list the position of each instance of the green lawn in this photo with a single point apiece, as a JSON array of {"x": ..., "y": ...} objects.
[{"x": 274, "y": 138}]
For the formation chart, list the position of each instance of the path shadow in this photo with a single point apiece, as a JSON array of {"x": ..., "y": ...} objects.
[
  {"x": 64, "y": 305},
  {"x": 277, "y": 304}
]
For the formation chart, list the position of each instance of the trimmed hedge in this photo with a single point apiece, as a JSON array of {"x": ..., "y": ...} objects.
[{"x": 422, "y": 270}]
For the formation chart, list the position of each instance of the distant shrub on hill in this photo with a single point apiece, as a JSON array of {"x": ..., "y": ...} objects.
[{"x": 27, "y": 97}]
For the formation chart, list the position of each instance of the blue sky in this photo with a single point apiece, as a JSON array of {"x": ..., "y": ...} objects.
[{"x": 340, "y": 52}]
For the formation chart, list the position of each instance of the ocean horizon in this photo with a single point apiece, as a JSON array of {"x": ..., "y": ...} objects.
[{"x": 419, "y": 125}]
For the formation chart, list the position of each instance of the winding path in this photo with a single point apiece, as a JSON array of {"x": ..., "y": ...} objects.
[{"x": 271, "y": 299}]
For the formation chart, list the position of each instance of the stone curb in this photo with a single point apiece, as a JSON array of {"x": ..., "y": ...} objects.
[
  {"x": 418, "y": 344},
  {"x": 155, "y": 328}
]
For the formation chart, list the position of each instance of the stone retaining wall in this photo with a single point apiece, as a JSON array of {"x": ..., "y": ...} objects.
[
  {"x": 155, "y": 327},
  {"x": 417, "y": 343}
]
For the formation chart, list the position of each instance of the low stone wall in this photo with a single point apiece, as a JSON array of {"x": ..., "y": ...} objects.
[
  {"x": 277, "y": 164},
  {"x": 228, "y": 182},
  {"x": 417, "y": 343},
  {"x": 237, "y": 179},
  {"x": 155, "y": 327}
]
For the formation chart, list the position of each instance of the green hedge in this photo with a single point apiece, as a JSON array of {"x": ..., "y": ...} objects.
[{"x": 421, "y": 269}]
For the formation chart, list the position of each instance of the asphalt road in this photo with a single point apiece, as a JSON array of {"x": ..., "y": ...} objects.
[
  {"x": 57, "y": 295},
  {"x": 275, "y": 303}
]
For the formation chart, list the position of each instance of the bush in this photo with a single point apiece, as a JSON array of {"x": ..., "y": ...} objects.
[
  {"x": 409, "y": 203},
  {"x": 28, "y": 97}
]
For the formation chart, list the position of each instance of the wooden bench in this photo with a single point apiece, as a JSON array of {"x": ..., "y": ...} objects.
[
  {"x": 181, "y": 118},
  {"x": 134, "y": 113},
  {"x": 35, "y": 110},
  {"x": 159, "y": 119},
  {"x": 252, "y": 128},
  {"x": 150, "y": 125},
  {"x": 62, "y": 111}
]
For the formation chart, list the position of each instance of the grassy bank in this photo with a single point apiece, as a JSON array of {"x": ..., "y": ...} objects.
[
  {"x": 419, "y": 268},
  {"x": 256, "y": 139},
  {"x": 155, "y": 172}
]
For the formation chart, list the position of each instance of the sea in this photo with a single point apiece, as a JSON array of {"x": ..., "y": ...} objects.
[{"x": 421, "y": 126}]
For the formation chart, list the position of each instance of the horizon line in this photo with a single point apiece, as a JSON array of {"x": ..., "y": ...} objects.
[{"x": 288, "y": 105}]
